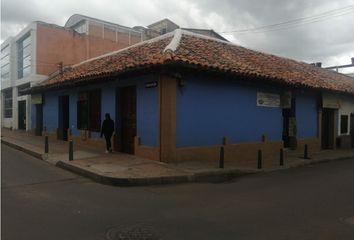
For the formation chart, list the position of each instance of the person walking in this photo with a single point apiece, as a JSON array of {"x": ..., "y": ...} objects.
[{"x": 107, "y": 130}]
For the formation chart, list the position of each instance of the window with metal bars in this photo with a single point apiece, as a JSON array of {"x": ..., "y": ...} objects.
[{"x": 89, "y": 111}]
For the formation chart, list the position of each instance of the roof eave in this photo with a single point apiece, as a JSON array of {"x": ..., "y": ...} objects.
[{"x": 111, "y": 76}]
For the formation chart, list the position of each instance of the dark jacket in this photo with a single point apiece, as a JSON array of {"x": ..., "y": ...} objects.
[{"x": 107, "y": 127}]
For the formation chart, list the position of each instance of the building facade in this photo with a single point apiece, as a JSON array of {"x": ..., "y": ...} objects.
[
  {"x": 182, "y": 96},
  {"x": 18, "y": 71},
  {"x": 42, "y": 50}
]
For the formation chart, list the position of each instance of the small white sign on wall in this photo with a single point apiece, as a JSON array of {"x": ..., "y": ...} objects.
[{"x": 268, "y": 99}]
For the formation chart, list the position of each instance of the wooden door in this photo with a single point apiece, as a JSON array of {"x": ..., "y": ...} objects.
[
  {"x": 352, "y": 129},
  {"x": 327, "y": 128},
  {"x": 63, "y": 114},
  {"x": 127, "y": 118},
  {"x": 286, "y": 137}
]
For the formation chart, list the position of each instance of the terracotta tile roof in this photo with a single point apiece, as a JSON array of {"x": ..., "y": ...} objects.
[{"x": 188, "y": 49}]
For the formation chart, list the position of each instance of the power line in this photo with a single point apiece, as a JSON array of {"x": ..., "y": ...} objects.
[
  {"x": 297, "y": 22},
  {"x": 300, "y": 20},
  {"x": 293, "y": 26}
]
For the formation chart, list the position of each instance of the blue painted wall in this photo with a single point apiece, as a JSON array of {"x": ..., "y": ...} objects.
[
  {"x": 207, "y": 110},
  {"x": 108, "y": 101},
  {"x": 306, "y": 115},
  {"x": 147, "y": 115},
  {"x": 50, "y": 111},
  {"x": 147, "y": 108}
]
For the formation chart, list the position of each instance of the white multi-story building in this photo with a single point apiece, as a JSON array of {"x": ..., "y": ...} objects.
[{"x": 18, "y": 72}]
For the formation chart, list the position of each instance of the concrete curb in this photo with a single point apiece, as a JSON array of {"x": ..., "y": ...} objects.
[
  {"x": 211, "y": 176},
  {"x": 126, "y": 182},
  {"x": 208, "y": 176},
  {"x": 314, "y": 162},
  {"x": 221, "y": 175},
  {"x": 22, "y": 149}
]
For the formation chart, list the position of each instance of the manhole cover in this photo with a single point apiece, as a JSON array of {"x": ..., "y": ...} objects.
[
  {"x": 132, "y": 232},
  {"x": 349, "y": 220}
]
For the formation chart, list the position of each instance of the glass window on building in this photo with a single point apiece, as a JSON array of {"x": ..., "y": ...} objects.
[
  {"x": 24, "y": 57},
  {"x": 163, "y": 31},
  {"x": 5, "y": 63},
  {"x": 8, "y": 103},
  {"x": 23, "y": 87}
]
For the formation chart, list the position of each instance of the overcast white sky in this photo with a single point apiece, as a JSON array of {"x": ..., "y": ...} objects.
[{"x": 326, "y": 38}]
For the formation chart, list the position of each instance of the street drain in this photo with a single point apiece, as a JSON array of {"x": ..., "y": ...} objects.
[
  {"x": 349, "y": 220},
  {"x": 132, "y": 232}
]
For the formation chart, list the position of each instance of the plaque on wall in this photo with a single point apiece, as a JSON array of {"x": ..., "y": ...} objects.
[
  {"x": 268, "y": 99},
  {"x": 151, "y": 84},
  {"x": 36, "y": 98}
]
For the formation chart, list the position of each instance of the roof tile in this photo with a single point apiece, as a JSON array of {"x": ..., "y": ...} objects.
[{"x": 206, "y": 53}]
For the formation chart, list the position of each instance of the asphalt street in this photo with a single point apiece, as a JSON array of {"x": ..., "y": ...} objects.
[{"x": 41, "y": 201}]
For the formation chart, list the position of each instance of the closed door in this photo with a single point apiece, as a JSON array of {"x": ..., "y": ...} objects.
[
  {"x": 286, "y": 137},
  {"x": 352, "y": 129},
  {"x": 127, "y": 118},
  {"x": 22, "y": 115},
  {"x": 289, "y": 126},
  {"x": 39, "y": 119},
  {"x": 327, "y": 128},
  {"x": 63, "y": 120}
]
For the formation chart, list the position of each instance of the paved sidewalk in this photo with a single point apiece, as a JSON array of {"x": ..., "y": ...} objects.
[{"x": 128, "y": 170}]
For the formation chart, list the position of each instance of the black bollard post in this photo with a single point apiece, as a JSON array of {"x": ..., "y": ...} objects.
[
  {"x": 222, "y": 157},
  {"x": 71, "y": 150},
  {"x": 46, "y": 146},
  {"x": 281, "y": 157},
  {"x": 306, "y": 152},
  {"x": 259, "y": 165}
]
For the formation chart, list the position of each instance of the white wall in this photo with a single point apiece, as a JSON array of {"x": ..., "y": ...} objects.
[{"x": 346, "y": 108}]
